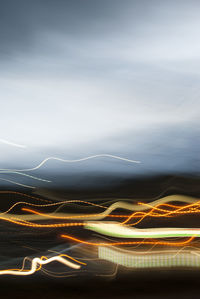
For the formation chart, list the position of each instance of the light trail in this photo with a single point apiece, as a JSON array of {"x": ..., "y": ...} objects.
[
  {"x": 133, "y": 252},
  {"x": 93, "y": 222},
  {"x": 140, "y": 215},
  {"x": 139, "y": 207},
  {"x": 26, "y": 175},
  {"x": 165, "y": 243},
  {"x": 163, "y": 215},
  {"x": 16, "y": 183},
  {"x": 63, "y": 215},
  {"x": 150, "y": 260},
  {"x": 113, "y": 229},
  {"x": 119, "y": 205},
  {"x": 99, "y": 227},
  {"x": 12, "y": 143},
  {"x": 39, "y": 261},
  {"x": 47, "y": 205},
  {"x": 24, "y": 195},
  {"x": 23, "y": 222},
  {"x": 73, "y": 161},
  {"x": 119, "y": 231},
  {"x": 156, "y": 211}
]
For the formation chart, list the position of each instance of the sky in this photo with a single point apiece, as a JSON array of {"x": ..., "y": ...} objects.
[{"x": 87, "y": 77}]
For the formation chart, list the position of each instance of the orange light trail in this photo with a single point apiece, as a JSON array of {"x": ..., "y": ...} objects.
[
  {"x": 25, "y": 195},
  {"x": 179, "y": 210},
  {"x": 168, "y": 213},
  {"x": 141, "y": 215},
  {"x": 189, "y": 240},
  {"x": 71, "y": 217},
  {"x": 50, "y": 204}
]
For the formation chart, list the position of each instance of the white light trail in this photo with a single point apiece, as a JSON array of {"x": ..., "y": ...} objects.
[
  {"x": 74, "y": 161},
  {"x": 39, "y": 261},
  {"x": 12, "y": 143},
  {"x": 118, "y": 230}
]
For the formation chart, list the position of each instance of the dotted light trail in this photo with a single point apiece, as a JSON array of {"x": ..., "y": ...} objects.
[{"x": 149, "y": 260}]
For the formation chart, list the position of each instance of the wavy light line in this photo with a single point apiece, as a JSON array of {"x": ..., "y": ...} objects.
[
  {"x": 25, "y": 174},
  {"x": 178, "y": 210},
  {"x": 45, "y": 205},
  {"x": 117, "y": 205},
  {"x": 16, "y": 183},
  {"x": 189, "y": 240},
  {"x": 163, "y": 215},
  {"x": 73, "y": 161},
  {"x": 22, "y": 222},
  {"x": 12, "y": 143},
  {"x": 110, "y": 228},
  {"x": 22, "y": 194},
  {"x": 41, "y": 261},
  {"x": 63, "y": 216}
]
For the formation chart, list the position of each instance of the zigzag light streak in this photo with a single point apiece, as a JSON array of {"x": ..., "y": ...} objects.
[{"x": 39, "y": 261}]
